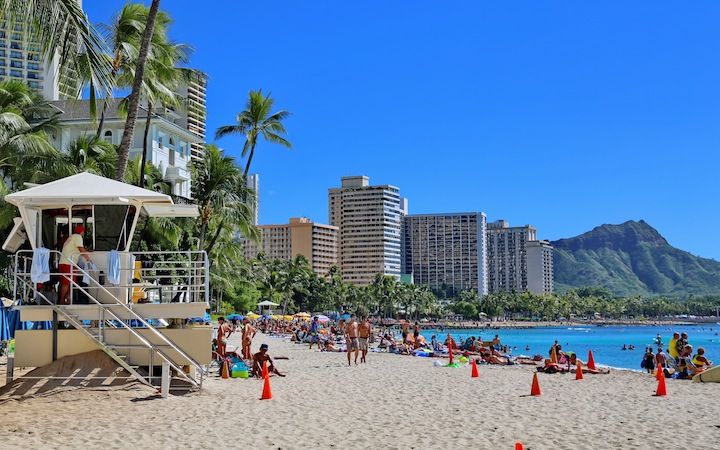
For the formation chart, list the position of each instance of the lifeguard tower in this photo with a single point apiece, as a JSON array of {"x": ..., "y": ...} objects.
[{"x": 133, "y": 305}]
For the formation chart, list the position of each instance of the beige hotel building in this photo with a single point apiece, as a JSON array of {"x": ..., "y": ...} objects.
[{"x": 318, "y": 243}]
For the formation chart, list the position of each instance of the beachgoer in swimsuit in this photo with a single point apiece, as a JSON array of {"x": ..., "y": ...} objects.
[
  {"x": 351, "y": 339},
  {"x": 314, "y": 332},
  {"x": 247, "y": 337},
  {"x": 700, "y": 361},
  {"x": 363, "y": 335},
  {"x": 259, "y": 359},
  {"x": 222, "y": 335}
]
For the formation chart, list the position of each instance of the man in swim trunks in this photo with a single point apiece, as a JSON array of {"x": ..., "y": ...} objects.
[
  {"x": 351, "y": 338},
  {"x": 247, "y": 337},
  {"x": 223, "y": 333},
  {"x": 364, "y": 335},
  {"x": 259, "y": 359}
]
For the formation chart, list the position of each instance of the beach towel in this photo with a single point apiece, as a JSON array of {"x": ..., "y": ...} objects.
[
  {"x": 40, "y": 271},
  {"x": 113, "y": 275},
  {"x": 89, "y": 267}
]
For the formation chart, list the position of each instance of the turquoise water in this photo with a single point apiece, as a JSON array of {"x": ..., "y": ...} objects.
[{"x": 605, "y": 342}]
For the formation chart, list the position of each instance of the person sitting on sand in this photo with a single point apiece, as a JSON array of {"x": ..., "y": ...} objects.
[
  {"x": 686, "y": 368},
  {"x": 434, "y": 342},
  {"x": 700, "y": 361},
  {"x": 259, "y": 359},
  {"x": 386, "y": 341},
  {"x": 329, "y": 346}
]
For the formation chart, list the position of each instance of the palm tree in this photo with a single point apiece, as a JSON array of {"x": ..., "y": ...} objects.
[
  {"x": 221, "y": 196},
  {"x": 134, "y": 99},
  {"x": 257, "y": 121},
  {"x": 123, "y": 36},
  {"x": 88, "y": 153},
  {"x": 62, "y": 28}
]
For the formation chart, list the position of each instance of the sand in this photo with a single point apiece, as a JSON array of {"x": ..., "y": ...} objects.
[{"x": 392, "y": 402}]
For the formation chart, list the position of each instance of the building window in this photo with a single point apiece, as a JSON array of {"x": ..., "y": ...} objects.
[
  {"x": 16, "y": 73},
  {"x": 107, "y": 136}
]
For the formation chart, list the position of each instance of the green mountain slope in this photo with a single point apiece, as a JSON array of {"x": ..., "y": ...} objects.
[{"x": 632, "y": 259}]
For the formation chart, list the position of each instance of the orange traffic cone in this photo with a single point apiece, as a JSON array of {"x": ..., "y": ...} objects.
[
  {"x": 535, "y": 389},
  {"x": 474, "y": 373},
  {"x": 578, "y": 372},
  {"x": 266, "y": 393},
  {"x": 659, "y": 373},
  {"x": 519, "y": 446},
  {"x": 661, "y": 388},
  {"x": 591, "y": 361},
  {"x": 225, "y": 373}
]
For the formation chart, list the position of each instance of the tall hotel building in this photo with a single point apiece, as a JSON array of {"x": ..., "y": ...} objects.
[
  {"x": 316, "y": 242},
  {"x": 540, "y": 267},
  {"x": 446, "y": 250},
  {"x": 509, "y": 266},
  {"x": 195, "y": 116},
  {"x": 369, "y": 219},
  {"x": 22, "y": 59}
]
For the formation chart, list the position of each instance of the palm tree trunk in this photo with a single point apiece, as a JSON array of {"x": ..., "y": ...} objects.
[
  {"x": 215, "y": 237},
  {"x": 102, "y": 119},
  {"x": 143, "y": 161},
  {"x": 250, "y": 157},
  {"x": 134, "y": 101}
]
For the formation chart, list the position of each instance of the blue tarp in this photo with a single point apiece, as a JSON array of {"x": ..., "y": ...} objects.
[{"x": 4, "y": 328}]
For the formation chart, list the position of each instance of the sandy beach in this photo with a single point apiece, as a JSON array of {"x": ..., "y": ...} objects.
[{"x": 392, "y": 402}]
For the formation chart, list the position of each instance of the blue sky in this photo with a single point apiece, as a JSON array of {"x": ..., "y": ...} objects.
[{"x": 558, "y": 114}]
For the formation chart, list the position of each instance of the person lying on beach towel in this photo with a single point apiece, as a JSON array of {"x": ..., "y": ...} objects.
[{"x": 259, "y": 359}]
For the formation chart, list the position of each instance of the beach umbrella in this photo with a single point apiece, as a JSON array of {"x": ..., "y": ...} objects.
[
  {"x": 345, "y": 316},
  {"x": 322, "y": 319},
  {"x": 303, "y": 315},
  {"x": 235, "y": 316},
  {"x": 287, "y": 318},
  {"x": 4, "y": 328},
  {"x": 252, "y": 315}
]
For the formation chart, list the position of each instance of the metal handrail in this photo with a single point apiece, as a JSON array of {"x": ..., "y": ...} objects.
[
  {"x": 69, "y": 318},
  {"x": 142, "y": 321},
  {"x": 118, "y": 302}
]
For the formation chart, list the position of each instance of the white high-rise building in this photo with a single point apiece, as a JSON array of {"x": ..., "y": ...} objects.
[
  {"x": 369, "y": 219},
  {"x": 194, "y": 115},
  {"x": 446, "y": 250},
  {"x": 540, "y": 267},
  {"x": 22, "y": 59}
]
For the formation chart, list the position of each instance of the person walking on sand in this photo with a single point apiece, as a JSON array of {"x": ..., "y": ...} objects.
[
  {"x": 247, "y": 337},
  {"x": 351, "y": 338},
  {"x": 364, "y": 330}
]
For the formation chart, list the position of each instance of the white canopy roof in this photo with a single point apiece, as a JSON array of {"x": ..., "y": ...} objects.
[
  {"x": 267, "y": 303},
  {"x": 158, "y": 210},
  {"x": 85, "y": 188}
]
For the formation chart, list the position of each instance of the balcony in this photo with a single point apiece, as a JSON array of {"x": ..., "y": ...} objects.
[{"x": 177, "y": 174}]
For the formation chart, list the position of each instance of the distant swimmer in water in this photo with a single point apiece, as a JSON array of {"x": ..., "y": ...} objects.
[
  {"x": 624, "y": 347},
  {"x": 658, "y": 339},
  {"x": 527, "y": 348}
]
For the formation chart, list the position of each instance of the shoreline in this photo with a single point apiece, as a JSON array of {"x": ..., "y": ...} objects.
[{"x": 520, "y": 324}]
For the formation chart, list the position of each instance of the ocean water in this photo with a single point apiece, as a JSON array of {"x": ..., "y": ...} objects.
[{"x": 606, "y": 342}]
